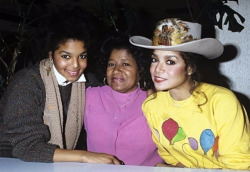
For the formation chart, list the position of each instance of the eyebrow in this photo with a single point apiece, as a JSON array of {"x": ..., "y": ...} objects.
[
  {"x": 166, "y": 56},
  {"x": 70, "y": 53}
]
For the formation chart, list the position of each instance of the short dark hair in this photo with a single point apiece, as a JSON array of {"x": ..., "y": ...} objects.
[
  {"x": 65, "y": 24},
  {"x": 118, "y": 40}
]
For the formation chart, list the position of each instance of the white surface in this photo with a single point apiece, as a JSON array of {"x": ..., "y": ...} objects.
[{"x": 16, "y": 165}]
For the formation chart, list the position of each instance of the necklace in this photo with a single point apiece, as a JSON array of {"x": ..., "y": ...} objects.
[{"x": 126, "y": 103}]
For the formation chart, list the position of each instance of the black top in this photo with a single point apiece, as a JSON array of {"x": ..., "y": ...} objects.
[{"x": 23, "y": 133}]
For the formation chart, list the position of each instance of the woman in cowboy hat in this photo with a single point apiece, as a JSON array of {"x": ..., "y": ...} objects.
[{"x": 194, "y": 124}]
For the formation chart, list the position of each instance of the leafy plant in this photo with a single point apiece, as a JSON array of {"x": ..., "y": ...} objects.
[{"x": 213, "y": 7}]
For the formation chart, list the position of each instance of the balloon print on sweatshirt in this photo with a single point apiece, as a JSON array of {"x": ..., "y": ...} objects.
[
  {"x": 179, "y": 136},
  {"x": 216, "y": 147},
  {"x": 207, "y": 140},
  {"x": 193, "y": 143},
  {"x": 172, "y": 131}
]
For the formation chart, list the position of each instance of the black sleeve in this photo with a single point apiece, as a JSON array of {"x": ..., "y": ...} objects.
[{"x": 23, "y": 127}]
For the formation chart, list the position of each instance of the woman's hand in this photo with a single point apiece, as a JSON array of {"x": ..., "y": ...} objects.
[
  {"x": 101, "y": 158},
  {"x": 63, "y": 155}
]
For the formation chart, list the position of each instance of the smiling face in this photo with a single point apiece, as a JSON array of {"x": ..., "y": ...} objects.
[
  {"x": 70, "y": 59},
  {"x": 169, "y": 72},
  {"x": 122, "y": 71}
]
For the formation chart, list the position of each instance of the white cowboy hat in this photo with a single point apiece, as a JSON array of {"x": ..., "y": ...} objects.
[{"x": 177, "y": 35}]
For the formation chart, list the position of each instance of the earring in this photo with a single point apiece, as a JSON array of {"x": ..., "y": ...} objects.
[
  {"x": 105, "y": 81},
  {"x": 48, "y": 69},
  {"x": 190, "y": 71},
  {"x": 144, "y": 84},
  {"x": 47, "y": 66}
]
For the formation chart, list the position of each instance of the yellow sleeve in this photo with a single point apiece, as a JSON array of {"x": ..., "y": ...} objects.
[
  {"x": 164, "y": 154},
  {"x": 233, "y": 131}
]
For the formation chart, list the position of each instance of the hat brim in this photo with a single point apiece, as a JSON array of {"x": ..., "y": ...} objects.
[{"x": 208, "y": 47}]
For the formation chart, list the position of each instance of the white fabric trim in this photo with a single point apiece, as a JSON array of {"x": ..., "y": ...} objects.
[{"x": 62, "y": 80}]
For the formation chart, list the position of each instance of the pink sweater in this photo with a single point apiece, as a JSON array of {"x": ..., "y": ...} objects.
[{"x": 115, "y": 124}]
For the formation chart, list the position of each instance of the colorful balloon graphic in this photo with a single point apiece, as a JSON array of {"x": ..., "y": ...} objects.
[
  {"x": 170, "y": 129},
  {"x": 193, "y": 143},
  {"x": 207, "y": 140},
  {"x": 179, "y": 136},
  {"x": 216, "y": 144}
]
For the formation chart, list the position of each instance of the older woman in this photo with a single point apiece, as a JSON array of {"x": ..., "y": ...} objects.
[{"x": 114, "y": 120}]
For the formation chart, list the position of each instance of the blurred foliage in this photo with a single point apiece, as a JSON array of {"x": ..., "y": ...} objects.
[
  {"x": 114, "y": 16},
  {"x": 12, "y": 43}
]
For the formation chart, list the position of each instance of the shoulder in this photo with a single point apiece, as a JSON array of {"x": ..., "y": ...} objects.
[
  {"x": 218, "y": 94},
  {"x": 93, "y": 91},
  {"x": 26, "y": 86},
  {"x": 215, "y": 90},
  {"x": 27, "y": 78},
  {"x": 158, "y": 96},
  {"x": 155, "y": 100},
  {"x": 143, "y": 93}
]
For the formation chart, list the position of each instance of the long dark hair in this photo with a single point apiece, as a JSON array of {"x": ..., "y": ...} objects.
[
  {"x": 196, "y": 63},
  {"x": 192, "y": 60}
]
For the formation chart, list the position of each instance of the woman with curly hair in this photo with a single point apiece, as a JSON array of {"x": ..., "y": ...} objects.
[
  {"x": 42, "y": 108},
  {"x": 113, "y": 119}
]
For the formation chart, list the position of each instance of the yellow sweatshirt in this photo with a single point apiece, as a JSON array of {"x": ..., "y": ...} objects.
[{"x": 210, "y": 129}]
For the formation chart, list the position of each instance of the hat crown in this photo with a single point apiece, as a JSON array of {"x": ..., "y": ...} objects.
[
  {"x": 176, "y": 35},
  {"x": 170, "y": 32}
]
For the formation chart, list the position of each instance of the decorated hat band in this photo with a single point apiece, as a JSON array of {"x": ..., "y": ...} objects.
[{"x": 177, "y": 35}]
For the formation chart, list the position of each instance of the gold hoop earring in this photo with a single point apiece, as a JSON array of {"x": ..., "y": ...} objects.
[
  {"x": 144, "y": 84},
  {"x": 105, "y": 81}
]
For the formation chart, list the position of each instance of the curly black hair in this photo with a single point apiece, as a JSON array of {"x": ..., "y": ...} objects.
[
  {"x": 62, "y": 25},
  {"x": 118, "y": 40}
]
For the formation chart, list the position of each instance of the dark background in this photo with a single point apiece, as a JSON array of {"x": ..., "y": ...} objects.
[{"x": 20, "y": 19}]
